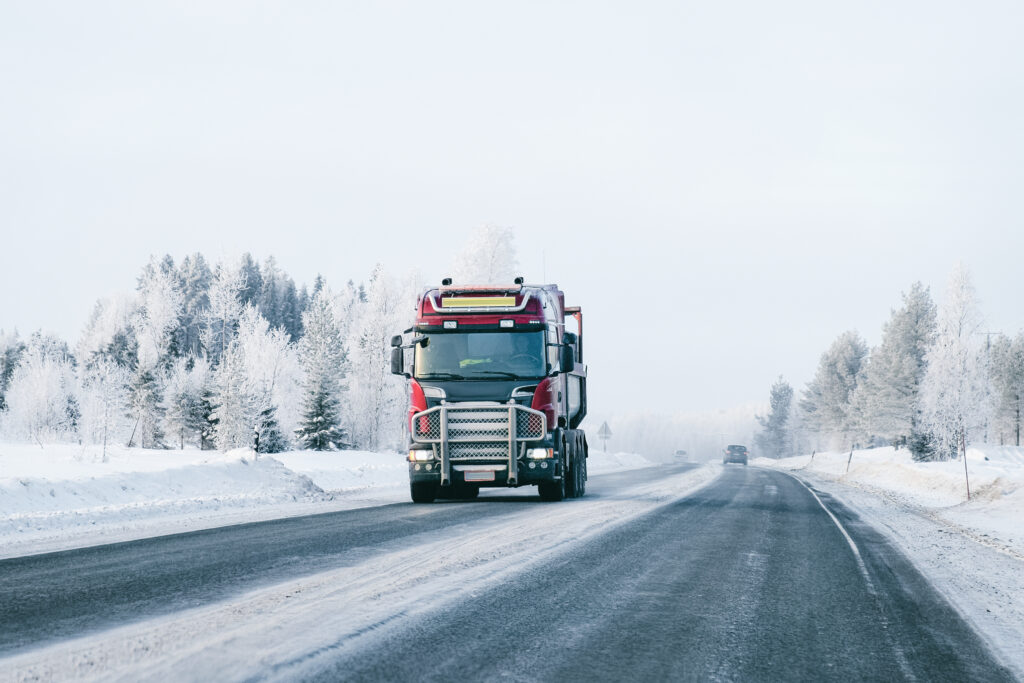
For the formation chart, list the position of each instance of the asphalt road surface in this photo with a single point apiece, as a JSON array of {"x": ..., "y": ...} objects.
[{"x": 750, "y": 578}]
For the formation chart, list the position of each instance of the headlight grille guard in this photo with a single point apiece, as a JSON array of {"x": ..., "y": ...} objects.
[{"x": 455, "y": 428}]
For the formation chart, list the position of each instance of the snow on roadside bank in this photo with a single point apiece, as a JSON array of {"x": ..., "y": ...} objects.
[
  {"x": 65, "y": 495},
  {"x": 971, "y": 552}
]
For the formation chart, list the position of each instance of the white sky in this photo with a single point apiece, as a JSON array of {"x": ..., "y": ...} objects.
[{"x": 724, "y": 186}]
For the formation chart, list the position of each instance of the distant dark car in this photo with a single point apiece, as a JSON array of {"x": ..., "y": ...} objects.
[{"x": 735, "y": 453}]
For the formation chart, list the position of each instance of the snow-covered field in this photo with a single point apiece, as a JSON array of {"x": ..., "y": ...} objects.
[
  {"x": 64, "y": 496},
  {"x": 973, "y": 552}
]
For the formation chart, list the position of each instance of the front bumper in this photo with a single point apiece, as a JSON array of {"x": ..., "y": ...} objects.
[{"x": 528, "y": 472}]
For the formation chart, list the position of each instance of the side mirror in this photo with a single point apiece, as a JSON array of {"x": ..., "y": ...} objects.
[
  {"x": 396, "y": 341},
  {"x": 567, "y": 358},
  {"x": 397, "y": 361}
]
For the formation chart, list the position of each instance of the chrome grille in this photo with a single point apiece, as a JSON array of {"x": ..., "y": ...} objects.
[{"x": 478, "y": 451}]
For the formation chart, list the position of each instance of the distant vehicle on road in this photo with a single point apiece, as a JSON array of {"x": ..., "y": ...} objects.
[{"x": 735, "y": 453}]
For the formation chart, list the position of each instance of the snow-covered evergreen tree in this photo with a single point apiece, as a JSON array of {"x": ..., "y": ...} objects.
[
  {"x": 194, "y": 278},
  {"x": 325, "y": 363},
  {"x": 489, "y": 257},
  {"x": 1006, "y": 367},
  {"x": 110, "y": 332},
  {"x": 252, "y": 281},
  {"x": 234, "y": 406},
  {"x": 955, "y": 389},
  {"x": 258, "y": 373},
  {"x": 886, "y": 398},
  {"x": 145, "y": 408},
  {"x": 11, "y": 348},
  {"x": 184, "y": 414},
  {"x": 42, "y": 401},
  {"x": 775, "y": 441},
  {"x": 273, "y": 377},
  {"x": 223, "y": 313},
  {"x": 826, "y": 402}
]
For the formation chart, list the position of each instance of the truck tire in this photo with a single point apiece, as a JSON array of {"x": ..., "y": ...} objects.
[
  {"x": 423, "y": 492},
  {"x": 554, "y": 491}
]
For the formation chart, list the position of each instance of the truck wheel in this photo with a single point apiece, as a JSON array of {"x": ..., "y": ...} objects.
[
  {"x": 555, "y": 490},
  {"x": 583, "y": 471},
  {"x": 423, "y": 492},
  {"x": 574, "y": 477}
]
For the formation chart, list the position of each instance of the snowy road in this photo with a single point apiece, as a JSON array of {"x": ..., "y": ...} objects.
[{"x": 747, "y": 578}]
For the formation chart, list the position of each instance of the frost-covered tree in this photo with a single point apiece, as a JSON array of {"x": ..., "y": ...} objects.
[
  {"x": 323, "y": 357},
  {"x": 252, "y": 280},
  {"x": 826, "y": 402},
  {"x": 223, "y": 313},
  {"x": 273, "y": 378},
  {"x": 293, "y": 304},
  {"x": 11, "y": 348},
  {"x": 110, "y": 331},
  {"x": 184, "y": 412},
  {"x": 774, "y": 441},
  {"x": 377, "y": 397},
  {"x": 489, "y": 257},
  {"x": 886, "y": 398},
  {"x": 42, "y": 401},
  {"x": 955, "y": 390},
  {"x": 194, "y": 278},
  {"x": 158, "y": 315},
  {"x": 234, "y": 405},
  {"x": 145, "y": 408},
  {"x": 105, "y": 402},
  {"x": 1006, "y": 367},
  {"x": 259, "y": 372},
  {"x": 156, "y": 318}
]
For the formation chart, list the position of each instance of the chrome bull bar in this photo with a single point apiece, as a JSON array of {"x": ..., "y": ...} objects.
[{"x": 495, "y": 432}]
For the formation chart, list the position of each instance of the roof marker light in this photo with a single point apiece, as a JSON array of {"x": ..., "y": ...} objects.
[
  {"x": 451, "y": 324},
  {"x": 508, "y": 323}
]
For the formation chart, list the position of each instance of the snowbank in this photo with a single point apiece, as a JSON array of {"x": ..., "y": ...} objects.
[
  {"x": 66, "y": 495},
  {"x": 993, "y": 515}
]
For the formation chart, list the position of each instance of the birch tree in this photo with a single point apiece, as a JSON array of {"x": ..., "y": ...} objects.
[
  {"x": 489, "y": 257},
  {"x": 955, "y": 390}
]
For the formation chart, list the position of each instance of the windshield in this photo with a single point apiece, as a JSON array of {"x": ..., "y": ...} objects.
[{"x": 481, "y": 355}]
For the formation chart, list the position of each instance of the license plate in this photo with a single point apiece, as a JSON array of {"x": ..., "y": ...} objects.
[{"x": 479, "y": 476}]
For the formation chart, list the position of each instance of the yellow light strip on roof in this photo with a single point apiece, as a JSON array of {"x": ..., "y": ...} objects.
[{"x": 477, "y": 301}]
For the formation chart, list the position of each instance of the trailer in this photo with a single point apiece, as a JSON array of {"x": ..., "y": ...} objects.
[{"x": 497, "y": 391}]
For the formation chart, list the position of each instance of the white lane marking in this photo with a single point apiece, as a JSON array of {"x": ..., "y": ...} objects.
[
  {"x": 901, "y": 658},
  {"x": 849, "y": 539}
]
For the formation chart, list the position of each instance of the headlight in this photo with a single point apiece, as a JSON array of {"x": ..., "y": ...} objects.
[
  {"x": 540, "y": 453},
  {"x": 420, "y": 455}
]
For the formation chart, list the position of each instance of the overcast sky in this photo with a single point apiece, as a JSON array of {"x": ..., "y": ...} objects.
[{"x": 724, "y": 187}]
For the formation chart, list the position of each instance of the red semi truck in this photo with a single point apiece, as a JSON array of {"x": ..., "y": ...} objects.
[{"x": 497, "y": 391}]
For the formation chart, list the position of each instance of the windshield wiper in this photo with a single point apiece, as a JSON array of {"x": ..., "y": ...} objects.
[
  {"x": 439, "y": 375},
  {"x": 501, "y": 373}
]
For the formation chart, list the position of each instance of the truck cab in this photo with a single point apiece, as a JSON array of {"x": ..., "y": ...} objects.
[{"x": 497, "y": 391}]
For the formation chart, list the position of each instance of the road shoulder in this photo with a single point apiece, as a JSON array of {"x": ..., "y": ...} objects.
[{"x": 983, "y": 581}]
